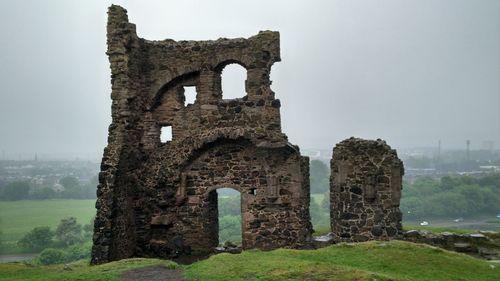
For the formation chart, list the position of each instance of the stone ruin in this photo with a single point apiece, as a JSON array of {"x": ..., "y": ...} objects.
[
  {"x": 158, "y": 199},
  {"x": 365, "y": 191}
]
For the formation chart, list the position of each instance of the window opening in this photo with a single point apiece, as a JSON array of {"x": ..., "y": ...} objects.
[
  {"x": 189, "y": 95},
  {"x": 166, "y": 134},
  {"x": 233, "y": 81}
]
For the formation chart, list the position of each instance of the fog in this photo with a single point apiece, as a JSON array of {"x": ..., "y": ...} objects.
[{"x": 410, "y": 72}]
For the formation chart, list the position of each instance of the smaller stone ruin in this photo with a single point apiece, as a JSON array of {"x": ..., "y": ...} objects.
[{"x": 365, "y": 190}]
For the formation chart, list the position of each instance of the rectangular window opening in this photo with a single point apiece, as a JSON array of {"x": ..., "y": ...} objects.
[
  {"x": 189, "y": 95},
  {"x": 166, "y": 134}
]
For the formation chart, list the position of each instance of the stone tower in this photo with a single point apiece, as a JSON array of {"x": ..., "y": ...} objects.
[
  {"x": 365, "y": 190},
  {"x": 158, "y": 199}
]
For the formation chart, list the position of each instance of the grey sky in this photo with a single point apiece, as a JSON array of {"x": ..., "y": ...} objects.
[{"x": 411, "y": 72}]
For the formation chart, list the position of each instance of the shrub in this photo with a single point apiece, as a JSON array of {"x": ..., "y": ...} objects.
[
  {"x": 230, "y": 228},
  {"x": 51, "y": 256},
  {"x": 38, "y": 238},
  {"x": 69, "y": 232},
  {"x": 78, "y": 252}
]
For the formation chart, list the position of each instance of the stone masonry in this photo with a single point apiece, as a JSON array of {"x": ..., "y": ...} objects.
[
  {"x": 365, "y": 190},
  {"x": 158, "y": 199}
]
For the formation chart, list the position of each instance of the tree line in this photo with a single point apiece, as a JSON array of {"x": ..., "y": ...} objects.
[
  {"x": 70, "y": 241},
  {"x": 72, "y": 189},
  {"x": 451, "y": 196}
]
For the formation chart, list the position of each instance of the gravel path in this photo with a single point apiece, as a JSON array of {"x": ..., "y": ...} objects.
[{"x": 152, "y": 273}]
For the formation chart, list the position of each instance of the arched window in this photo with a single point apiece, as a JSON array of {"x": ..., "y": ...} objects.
[{"x": 233, "y": 78}]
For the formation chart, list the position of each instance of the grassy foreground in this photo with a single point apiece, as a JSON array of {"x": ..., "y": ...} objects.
[
  {"x": 79, "y": 270},
  {"x": 394, "y": 260}
]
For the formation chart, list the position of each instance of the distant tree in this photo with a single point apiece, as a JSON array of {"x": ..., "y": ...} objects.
[
  {"x": 44, "y": 193},
  {"x": 325, "y": 203},
  {"x": 492, "y": 181},
  {"x": 78, "y": 252},
  {"x": 94, "y": 181},
  {"x": 447, "y": 183},
  {"x": 72, "y": 188},
  {"x": 319, "y": 216},
  {"x": 37, "y": 239},
  {"x": 88, "y": 191},
  {"x": 88, "y": 229},
  {"x": 451, "y": 197},
  {"x": 17, "y": 190},
  {"x": 69, "y": 182},
  {"x": 1, "y": 233},
  {"x": 230, "y": 206},
  {"x": 319, "y": 176},
  {"x": 230, "y": 228},
  {"x": 69, "y": 232}
]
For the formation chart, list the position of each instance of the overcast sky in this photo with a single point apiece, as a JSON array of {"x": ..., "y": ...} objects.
[{"x": 410, "y": 72}]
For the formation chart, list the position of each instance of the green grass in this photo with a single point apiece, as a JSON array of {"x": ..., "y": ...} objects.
[
  {"x": 395, "y": 260},
  {"x": 79, "y": 270},
  {"x": 19, "y": 217},
  {"x": 321, "y": 230},
  {"x": 374, "y": 260}
]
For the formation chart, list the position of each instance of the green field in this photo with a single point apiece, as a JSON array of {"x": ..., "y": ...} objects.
[
  {"x": 19, "y": 217},
  {"x": 394, "y": 260}
]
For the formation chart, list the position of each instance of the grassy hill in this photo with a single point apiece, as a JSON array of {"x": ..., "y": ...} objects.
[{"x": 394, "y": 260}]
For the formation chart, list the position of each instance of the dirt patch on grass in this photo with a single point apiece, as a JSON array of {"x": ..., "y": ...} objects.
[{"x": 152, "y": 273}]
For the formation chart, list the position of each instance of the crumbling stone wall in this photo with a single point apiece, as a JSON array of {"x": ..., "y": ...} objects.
[
  {"x": 158, "y": 199},
  {"x": 365, "y": 190}
]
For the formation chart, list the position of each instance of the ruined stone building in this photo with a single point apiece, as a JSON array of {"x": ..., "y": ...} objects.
[
  {"x": 158, "y": 199},
  {"x": 365, "y": 190}
]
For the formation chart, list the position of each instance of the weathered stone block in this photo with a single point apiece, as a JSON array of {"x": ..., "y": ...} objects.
[{"x": 365, "y": 189}]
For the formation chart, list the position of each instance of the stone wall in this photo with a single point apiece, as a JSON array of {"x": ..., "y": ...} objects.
[
  {"x": 365, "y": 190},
  {"x": 158, "y": 199},
  {"x": 484, "y": 244}
]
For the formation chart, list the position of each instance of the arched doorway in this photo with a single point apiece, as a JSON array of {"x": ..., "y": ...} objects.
[{"x": 274, "y": 200}]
